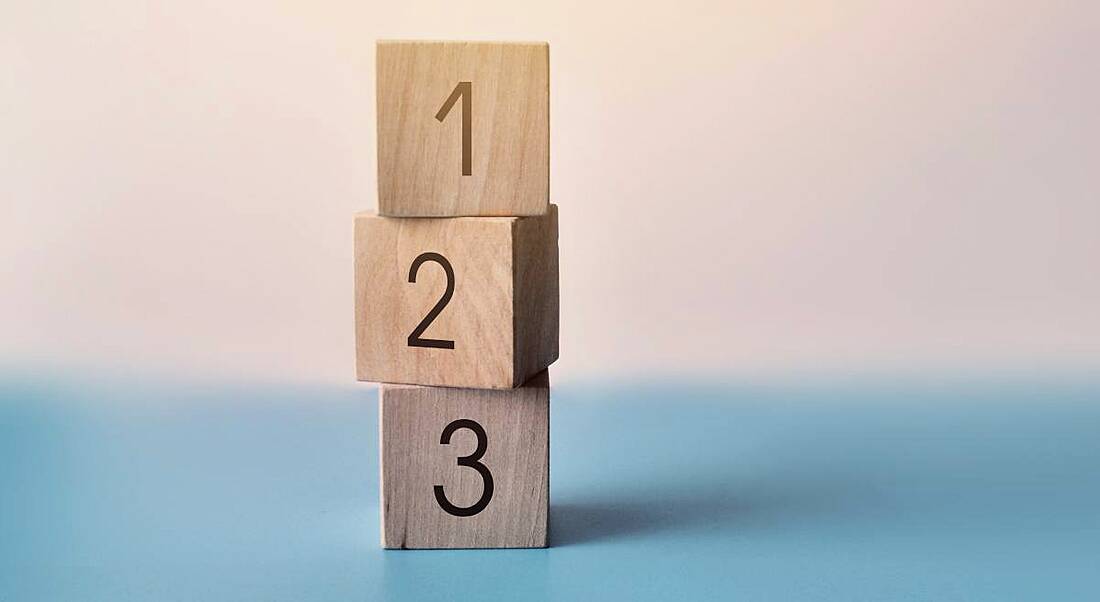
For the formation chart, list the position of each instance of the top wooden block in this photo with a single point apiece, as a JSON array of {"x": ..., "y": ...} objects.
[{"x": 463, "y": 128}]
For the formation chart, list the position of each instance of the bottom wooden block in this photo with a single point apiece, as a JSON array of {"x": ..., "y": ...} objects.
[{"x": 465, "y": 468}]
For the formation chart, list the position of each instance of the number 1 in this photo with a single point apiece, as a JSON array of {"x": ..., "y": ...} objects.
[{"x": 465, "y": 90}]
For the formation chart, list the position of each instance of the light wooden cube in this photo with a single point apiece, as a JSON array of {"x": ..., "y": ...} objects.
[
  {"x": 458, "y": 302},
  {"x": 463, "y": 128},
  {"x": 465, "y": 468}
]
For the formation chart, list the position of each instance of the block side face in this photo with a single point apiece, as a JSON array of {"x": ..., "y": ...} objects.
[
  {"x": 537, "y": 297},
  {"x": 414, "y": 461},
  {"x": 405, "y": 327},
  {"x": 421, "y": 165},
  {"x": 382, "y": 495}
]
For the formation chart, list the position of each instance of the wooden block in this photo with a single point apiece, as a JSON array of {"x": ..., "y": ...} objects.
[
  {"x": 458, "y": 302},
  {"x": 465, "y": 468},
  {"x": 463, "y": 128}
]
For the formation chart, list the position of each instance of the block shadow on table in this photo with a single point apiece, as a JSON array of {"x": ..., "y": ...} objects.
[
  {"x": 625, "y": 514},
  {"x": 727, "y": 464}
]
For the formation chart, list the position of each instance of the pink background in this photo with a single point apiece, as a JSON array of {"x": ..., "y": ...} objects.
[{"x": 746, "y": 188}]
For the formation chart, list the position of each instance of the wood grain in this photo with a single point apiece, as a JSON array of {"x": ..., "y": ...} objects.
[
  {"x": 420, "y": 158},
  {"x": 517, "y": 455},
  {"x": 503, "y": 316}
]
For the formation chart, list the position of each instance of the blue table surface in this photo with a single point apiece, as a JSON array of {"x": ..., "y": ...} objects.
[{"x": 119, "y": 490}]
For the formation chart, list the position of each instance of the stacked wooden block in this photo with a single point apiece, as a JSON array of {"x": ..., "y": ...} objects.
[{"x": 456, "y": 293}]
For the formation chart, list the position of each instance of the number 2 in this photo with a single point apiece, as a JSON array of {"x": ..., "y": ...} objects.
[
  {"x": 466, "y": 91},
  {"x": 473, "y": 461},
  {"x": 414, "y": 336}
]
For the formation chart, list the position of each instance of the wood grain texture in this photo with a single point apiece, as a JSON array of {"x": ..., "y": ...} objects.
[
  {"x": 420, "y": 158},
  {"x": 503, "y": 316},
  {"x": 517, "y": 455},
  {"x": 535, "y": 302}
]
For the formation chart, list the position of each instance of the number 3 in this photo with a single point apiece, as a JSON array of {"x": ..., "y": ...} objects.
[{"x": 472, "y": 461}]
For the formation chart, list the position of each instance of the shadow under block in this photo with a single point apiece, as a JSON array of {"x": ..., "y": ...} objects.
[
  {"x": 498, "y": 327},
  {"x": 423, "y": 460},
  {"x": 427, "y": 165}
]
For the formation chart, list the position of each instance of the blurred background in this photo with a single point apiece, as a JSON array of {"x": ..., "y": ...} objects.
[{"x": 747, "y": 189}]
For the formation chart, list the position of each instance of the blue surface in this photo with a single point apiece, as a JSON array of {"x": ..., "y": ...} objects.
[{"x": 842, "y": 492}]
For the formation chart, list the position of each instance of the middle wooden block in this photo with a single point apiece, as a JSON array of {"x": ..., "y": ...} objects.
[{"x": 456, "y": 302}]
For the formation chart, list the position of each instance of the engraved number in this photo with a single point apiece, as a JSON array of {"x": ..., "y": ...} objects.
[
  {"x": 465, "y": 90},
  {"x": 472, "y": 461},
  {"x": 414, "y": 336}
]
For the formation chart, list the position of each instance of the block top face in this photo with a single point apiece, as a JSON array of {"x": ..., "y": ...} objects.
[{"x": 463, "y": 128}]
